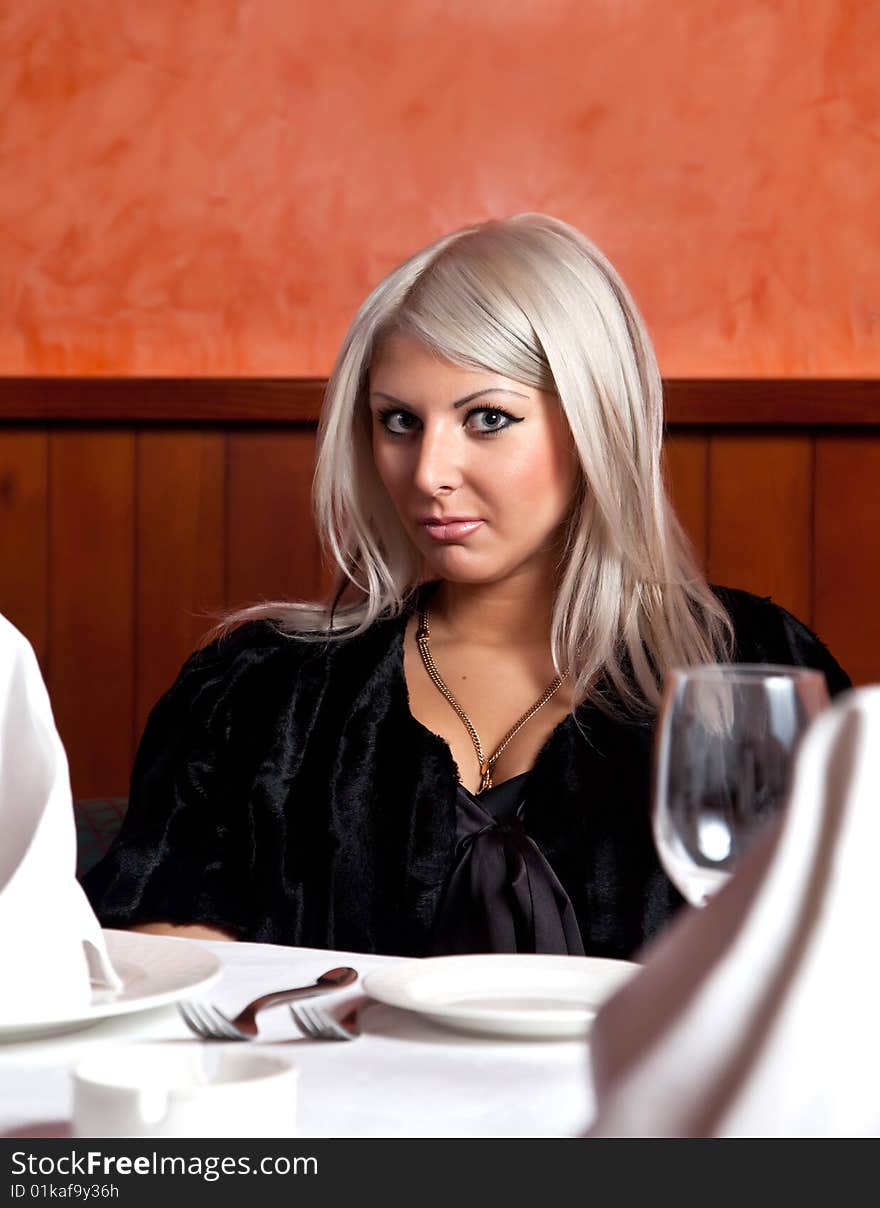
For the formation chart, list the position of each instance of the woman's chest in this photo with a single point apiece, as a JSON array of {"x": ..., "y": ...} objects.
[{"x": 482, "y": 697}]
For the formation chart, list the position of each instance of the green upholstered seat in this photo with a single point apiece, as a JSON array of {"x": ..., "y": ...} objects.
[{"x": 97, "y": 821}]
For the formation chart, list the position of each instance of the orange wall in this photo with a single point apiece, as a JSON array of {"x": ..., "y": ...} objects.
[{"x": 211, "y": 186}]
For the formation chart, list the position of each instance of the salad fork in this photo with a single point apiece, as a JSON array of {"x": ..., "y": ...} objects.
[
  {"x": 318, "y": 1024},
  {"x": 210, "y": 1023}
]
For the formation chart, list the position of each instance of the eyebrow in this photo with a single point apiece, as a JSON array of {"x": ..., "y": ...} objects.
[{"x": 468, "y": 398}]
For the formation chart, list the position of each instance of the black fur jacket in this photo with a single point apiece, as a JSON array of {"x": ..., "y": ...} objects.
[{"x": 283, "y": 791}]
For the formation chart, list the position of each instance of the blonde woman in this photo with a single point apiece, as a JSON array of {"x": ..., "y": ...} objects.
[{"x": 453, "y": 754}]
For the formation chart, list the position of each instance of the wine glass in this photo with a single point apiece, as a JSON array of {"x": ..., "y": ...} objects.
[{"x": 727, "y": 736}]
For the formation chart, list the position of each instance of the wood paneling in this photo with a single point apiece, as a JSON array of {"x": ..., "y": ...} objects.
[
  {"x": 162, "y": 400},
  {"x": 719, "y": 402},
  {"x": 772, "y": 402},
  {"x": 117, "y": 539},
  {"x": 687, "y": 468},
  {"x": 847, "y": 577},
  {"x": 181, "y": 556},
  {"x": 24, "y": 534},
  {"x": 272, "y": 547},
  {"x": 91, "y": 604},
  {"x": 761, "y": 517}
]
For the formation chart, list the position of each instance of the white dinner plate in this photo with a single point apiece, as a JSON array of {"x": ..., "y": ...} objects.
[
  {"x": 499, "y": 995},
  {"x": 154, "y": 970}
]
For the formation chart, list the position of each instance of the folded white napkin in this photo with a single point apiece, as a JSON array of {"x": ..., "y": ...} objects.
[
  {"x": 51, "y": 946},
  {"x": 758, "y": 1015}
]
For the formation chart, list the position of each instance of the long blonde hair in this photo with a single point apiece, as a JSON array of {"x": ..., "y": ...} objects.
[{"x": 531, "y": 298}]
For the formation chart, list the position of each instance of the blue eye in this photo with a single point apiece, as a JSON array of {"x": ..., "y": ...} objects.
[
  {"x": 403, "y": 423},
  {"x": 493, "y": 419},
  {"x": 406, "y": 422}
]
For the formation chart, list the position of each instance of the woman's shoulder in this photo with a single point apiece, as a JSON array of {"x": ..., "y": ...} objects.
[
  {"x": 245, "y": 647},
  {"x": 748, "y": 611},
  {"x": 757, "y": 618},
  {"x": 269, "y": 638},
  {"x": 227, "y": 667},
  {"x": 765, "y": 632},
  {"x": 258, "y": 640},
  {"x": 252, "y": 657}
]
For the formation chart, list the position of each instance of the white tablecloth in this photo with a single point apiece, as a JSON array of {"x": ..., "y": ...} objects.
[{"x": 404, "y": 1077}]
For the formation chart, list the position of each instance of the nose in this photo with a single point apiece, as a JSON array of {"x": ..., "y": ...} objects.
[{"x": 438, "y": 465}]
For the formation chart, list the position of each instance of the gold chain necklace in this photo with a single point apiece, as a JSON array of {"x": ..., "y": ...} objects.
[{"x": 486, "y": 765}]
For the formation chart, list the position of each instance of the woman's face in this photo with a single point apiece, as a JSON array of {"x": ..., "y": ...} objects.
[{"x": 481, "y": 468}]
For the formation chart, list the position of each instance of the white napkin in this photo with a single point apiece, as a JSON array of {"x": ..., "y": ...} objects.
[
  {"x": 758, "y": 1015},
  {"x": 51, "y": 946}
]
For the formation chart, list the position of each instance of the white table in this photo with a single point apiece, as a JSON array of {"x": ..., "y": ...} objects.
[{"x": 404, "y": 1077}]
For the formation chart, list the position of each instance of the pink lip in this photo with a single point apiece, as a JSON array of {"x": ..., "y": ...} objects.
[{"x": 451, "y": 528}]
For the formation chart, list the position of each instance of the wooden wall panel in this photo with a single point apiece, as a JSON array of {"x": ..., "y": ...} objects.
[
  {"x": 115, "y": 541},
  {"x": 271, "y": 542},
  {"x": 24, "y": 534},
  {"x": 687, "y": 461},
  {"x": 761, "y": 517},
  {"x": 91, "y": 604},
  {"x": 181, "y": 557},
  {"x": 847, "y": 580},
  {"x": 695, "y": 402}
]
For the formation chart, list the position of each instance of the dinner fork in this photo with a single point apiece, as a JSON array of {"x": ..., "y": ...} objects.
[
  {"x": 210, "y": 1023},
  {"x": 318, "y": 1024}
]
